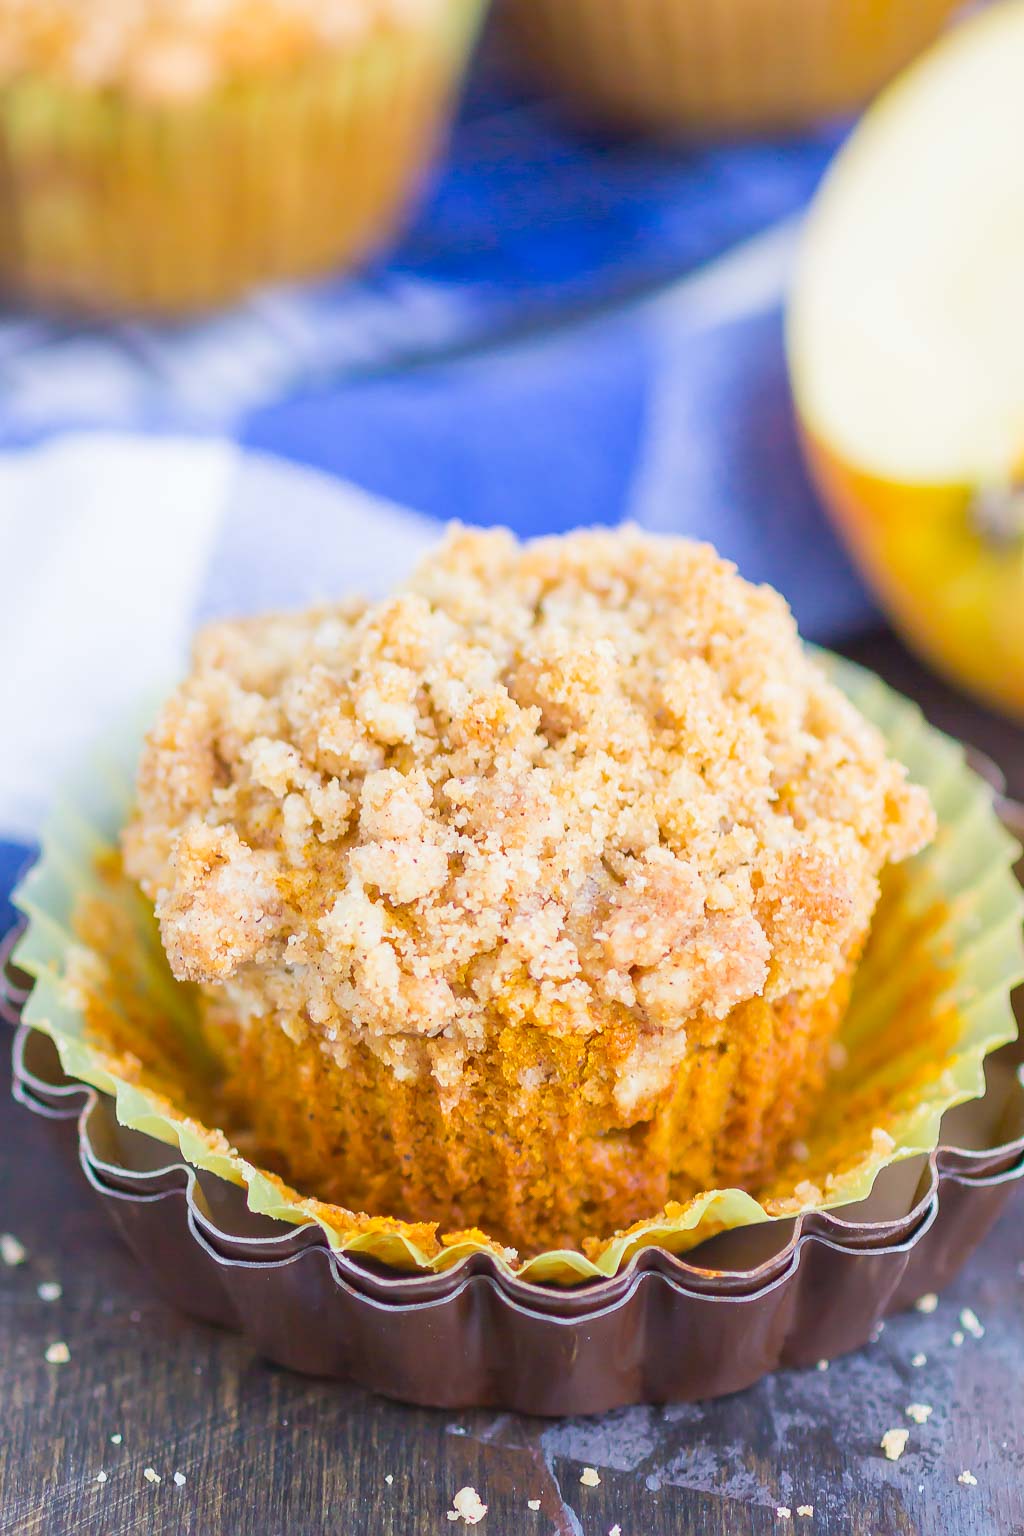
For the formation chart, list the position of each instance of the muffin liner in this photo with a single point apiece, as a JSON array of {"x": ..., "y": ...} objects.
[
  {"x": 707, "y": 65},
  {"x": 930, "y": 1002},
  {"x": 661, "y": 1330},
  {"x": 115, "y": 203}
]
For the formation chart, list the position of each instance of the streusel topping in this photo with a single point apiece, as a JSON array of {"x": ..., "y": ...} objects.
[
  {"x": 560, "y": 782},
  {"x": 176, "y": 49}
]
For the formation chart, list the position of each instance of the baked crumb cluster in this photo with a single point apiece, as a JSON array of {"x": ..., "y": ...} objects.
[
  {"x": 170, "y": 49},
  {"x": 582, "y": 781}
]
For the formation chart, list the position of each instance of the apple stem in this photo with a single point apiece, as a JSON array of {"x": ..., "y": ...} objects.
[{"x": 998, "y": 512}]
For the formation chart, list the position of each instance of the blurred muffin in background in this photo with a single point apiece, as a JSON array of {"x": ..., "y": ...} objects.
[
  {"x": 713, "y": 65},
  {"x": 166, "y": 155}
]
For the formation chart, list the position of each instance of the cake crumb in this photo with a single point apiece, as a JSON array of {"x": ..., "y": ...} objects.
[
  {"x": 956, "y": 1338},
  {"x": 919, "y": 1412},
  {"x": 533, "y": 1504},
  {"x": 467, "y": 1507},
  {"x": 589, "y": 1477},
  {"x": 970, "y": 1321},
  {"x": 101, "y": 1477},
  {"x": 58, "y": 1353},
  {"x": 49, "y": 1290},
  {"x": 894, "y": 1443},
  {"x": 151, "y": 1475},
  {"x": 783, "y": 1512},
  {"x": 389, "y": 1478},
  {"x": 918, "y": 1360},
  {"x": 926, "y": 1303},
  {"x": 116, "y": 1439},
  {"x": 805, "y": 1509},
  {"x": 12, "y": 1251},
  {"x": 968, "y": 1479},
  {"x": 179, "y": 1479}
]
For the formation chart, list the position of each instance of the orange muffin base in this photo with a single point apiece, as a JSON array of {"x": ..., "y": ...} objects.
[
  {"x": 542, "y": 1169},
  {"x": 707, "y": 65}
]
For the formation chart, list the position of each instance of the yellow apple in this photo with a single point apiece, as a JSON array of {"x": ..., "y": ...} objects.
[{"x": 906, "y": 348}]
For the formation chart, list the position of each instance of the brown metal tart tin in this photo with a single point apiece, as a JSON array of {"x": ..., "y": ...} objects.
[{"x": 665, "y": 1328}]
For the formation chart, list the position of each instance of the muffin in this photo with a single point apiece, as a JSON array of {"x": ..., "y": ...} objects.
[
  {"x": 167, "y": 155},
  {"x": 529, "y": 898},
  {"x": 710, "y": 65}
]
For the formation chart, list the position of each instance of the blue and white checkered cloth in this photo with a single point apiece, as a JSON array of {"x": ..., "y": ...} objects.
[{"x": 576, "y": 330}]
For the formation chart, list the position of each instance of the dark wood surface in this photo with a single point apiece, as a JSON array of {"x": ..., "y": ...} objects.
[{"x": 268, "y": 1454}]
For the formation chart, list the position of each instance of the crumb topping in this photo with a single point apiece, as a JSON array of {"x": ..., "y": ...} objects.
[
  {"x": 168, "y": 50},
  {"x": 581, "y": 781}
]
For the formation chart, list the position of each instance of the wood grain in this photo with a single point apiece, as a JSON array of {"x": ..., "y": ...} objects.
[{"x": 267, "y": 1454}]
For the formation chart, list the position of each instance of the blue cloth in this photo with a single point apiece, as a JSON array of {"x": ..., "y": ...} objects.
[
  {"x": 576, "y": 329},
  {"x": 13, "y": 859}
]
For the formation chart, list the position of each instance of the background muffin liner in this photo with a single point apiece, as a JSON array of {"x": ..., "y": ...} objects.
[
  {"x": 111, "y": 202},
  {"x": 711, "y": 64},
  {"x": 932, "y": 999}
]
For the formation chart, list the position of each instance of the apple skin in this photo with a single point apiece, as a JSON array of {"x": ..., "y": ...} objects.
[{"x": 954, "y": 593}]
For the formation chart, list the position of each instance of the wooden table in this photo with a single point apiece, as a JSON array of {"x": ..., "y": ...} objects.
[{"x": 263, "y": 1453}]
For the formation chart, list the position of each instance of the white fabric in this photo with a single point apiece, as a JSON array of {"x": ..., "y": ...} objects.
[{"x": 107, "y": 546}]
